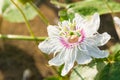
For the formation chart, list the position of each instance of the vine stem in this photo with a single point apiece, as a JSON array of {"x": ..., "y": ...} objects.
[
  {"x": 26, "y": 21},
  {"x": 21, "y": 37},
  {"x": 78, "y": 74},
  {"x": 43, "y": 18},
  {"x": 58, "y": 3},
  {"x": 14, "y": 37}
]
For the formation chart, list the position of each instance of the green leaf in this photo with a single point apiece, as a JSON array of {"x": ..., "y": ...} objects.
[
  {"x": 115, "y": 52},
  {"x": 110, "y": 72},
  {"x": 63, "y": 15},
  {"x": 117, "y": 56},
  {"x": 88, "y": 7},
  {"x": 84, "y": 73},
  {"x": 4, "y": 4},
  {"x": 103, "y": 73},
  {"x": 100, "y": 64},
  {"x": 115, "y": 48},
  {"x": 11, "y": 13}
]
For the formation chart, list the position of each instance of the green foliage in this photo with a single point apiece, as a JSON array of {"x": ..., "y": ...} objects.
[
  {"x": 92, "y": 6},
  {"x": 114, "y": 49},
  {"x": 103, "y": 73},
  {"x": 99, "y": 71},
  {"x": 64, "y": 15},
  {"x": 5, "y": 4},
  {"x": 89, "y": 7},
  {"x": 87, "y": 10},
  {"x": 11, "y": 13},
  {"x": 117, "y": 56},
  {"x": 100, "y": 64},
  {"x": 110, "y": 72},
  {"x": 115, "y": 52},
  {"x": 92, "y": 71}
]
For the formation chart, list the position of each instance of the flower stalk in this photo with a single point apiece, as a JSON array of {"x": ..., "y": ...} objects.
[
  {"x": 78, "y": 74},
  {"x": 28, "y": 38},
  {"x": 26, "y": 21},
  {"x": 21, "y": 37}
]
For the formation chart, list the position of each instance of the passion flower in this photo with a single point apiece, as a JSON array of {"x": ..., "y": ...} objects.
[{"x": 75, "y": 40}]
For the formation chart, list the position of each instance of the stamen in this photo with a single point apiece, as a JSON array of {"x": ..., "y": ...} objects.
[{"x": 72, "y": 26}]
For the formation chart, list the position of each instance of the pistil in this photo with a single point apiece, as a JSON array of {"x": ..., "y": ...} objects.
[{"x": 73, "y": 39}]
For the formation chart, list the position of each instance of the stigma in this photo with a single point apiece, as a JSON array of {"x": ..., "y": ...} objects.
[{"x": 73, "y": 39}]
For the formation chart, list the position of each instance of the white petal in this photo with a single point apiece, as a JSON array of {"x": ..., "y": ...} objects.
[
  {"x": 53, "y": 31},
  {"x": 102, "y": 38},
  {"x": 45, "y": 46},
  {"x": 78, "y": 17},
  {"x": 50, "y": 45},
  {"x": 56, "y": 45},
  {"x": 95, "y": 21},
  {"x": 117, "y": 20},
  {"x": 70, "y": 57},
  {"x": 92, "y": 26},
  {"x": 83, "y": 57},
  {"x": 99, "y": 39},
  {"x": 65, "y": 23},
  {"x": 59, "y": 59},
  {"x": 79, "y": 21},
  {"x": 96, "y": 52}
]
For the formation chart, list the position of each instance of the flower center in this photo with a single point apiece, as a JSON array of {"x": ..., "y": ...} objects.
[
  {"x": 74, "y": 37},
  {"x": 71, "y": 38},
  {"x": 71, "y": 35}
]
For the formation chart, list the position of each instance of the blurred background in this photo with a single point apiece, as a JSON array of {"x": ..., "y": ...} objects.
[{"x": 19, "y": 58}]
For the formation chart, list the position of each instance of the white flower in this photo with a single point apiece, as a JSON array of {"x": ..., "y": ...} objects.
[
  {"x": 117, "y": 20},
  {"x": 75, "y": 40}
]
